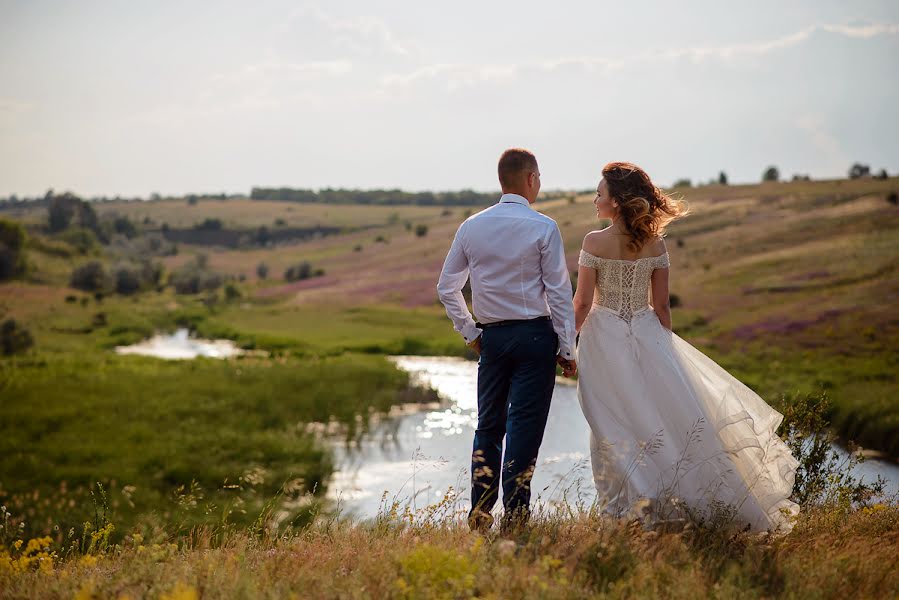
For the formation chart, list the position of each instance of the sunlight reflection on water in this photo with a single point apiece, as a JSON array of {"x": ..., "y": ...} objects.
[
  {"x": 421, "y": 454},
  {"x": 180, "y": 346}
]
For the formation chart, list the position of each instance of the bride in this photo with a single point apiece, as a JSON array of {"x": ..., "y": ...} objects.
[{"x": 673, "y": 435}]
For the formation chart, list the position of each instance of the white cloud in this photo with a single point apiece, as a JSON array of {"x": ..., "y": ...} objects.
[
  {"x": 454, "y": 76},
  {"x": 361, "y": 36}
]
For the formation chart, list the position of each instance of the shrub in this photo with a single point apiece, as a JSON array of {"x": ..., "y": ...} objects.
[
  {"x": 84, "y": 240},
  {"x": 883, "y": 174},
  {"x": 823, "y": 476},
  {"x": 771, "y": 174},
  {"x": 91, "y": 277},
  {"x": 14, "y": 339},
  {"x": 893, "y": 198},
  {"x": 123, "y": 226},
  {"x": 297, "y": 272},
  {"x": 674, "y": 300},
  {"x": 722, "y": 178},
  {"x": 127, "y": 281},
  {"x": 12, "y": 250},
  {"x": 684, "y": 182},
  {"x": 262, "y": 270},
  {"x": 421, "y": 230},
  {"x": 231, "y": 292},
  {"x": 194, "y": 277},
  {"x": 859, "y": 170},
  {"x": 209, "y": 225}
]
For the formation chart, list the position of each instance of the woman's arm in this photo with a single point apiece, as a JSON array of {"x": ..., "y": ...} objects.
[
  {"x": 583, "y": 296},
  {"x": 660, "y": 302}
]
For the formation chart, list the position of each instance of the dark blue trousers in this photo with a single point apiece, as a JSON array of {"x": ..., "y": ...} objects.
[{"x": 516, "y": 375}]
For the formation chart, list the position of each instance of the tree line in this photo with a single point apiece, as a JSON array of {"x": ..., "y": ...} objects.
[{"x": 377, "y": 197}]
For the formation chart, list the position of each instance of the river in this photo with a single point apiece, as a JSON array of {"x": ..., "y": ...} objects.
[{"x": 415, "y": 457}]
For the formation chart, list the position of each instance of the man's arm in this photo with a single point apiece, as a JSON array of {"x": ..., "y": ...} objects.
[
  {"x": 449, "y": 290},
  {"x": 558, "y": 292}
]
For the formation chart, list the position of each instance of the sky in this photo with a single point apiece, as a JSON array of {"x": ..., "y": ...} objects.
[{"x": 107, "y": 98}]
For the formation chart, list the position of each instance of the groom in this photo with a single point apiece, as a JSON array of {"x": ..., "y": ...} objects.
[{"x": 521, "y": 292}]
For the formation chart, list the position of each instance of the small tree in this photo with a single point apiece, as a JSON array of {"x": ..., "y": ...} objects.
[
  {"x": 209, "y": 224},
  {"x": 91, "y": 277},
  {"x": 12, "y": 249},
  {"x": 883, "y": 174},
  {"x": 124, "y": 226},
  {"x": 60, "y": 211},
  {"x": 298, "y": 272},
  {"x": 858, "y": 170},
  {"x": 722, "y": 178},
  {"x": 127, "y": 281},
  {"x": 231, "y": 292},
  {"x": 14, "y": 338},
  {"x": 771, "y": 174}
]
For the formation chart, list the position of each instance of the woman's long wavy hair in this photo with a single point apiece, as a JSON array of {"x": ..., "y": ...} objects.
[{"x": 643, "y": 208}]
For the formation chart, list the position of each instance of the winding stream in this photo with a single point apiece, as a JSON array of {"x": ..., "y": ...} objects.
[{"x": 416, "y": 456}]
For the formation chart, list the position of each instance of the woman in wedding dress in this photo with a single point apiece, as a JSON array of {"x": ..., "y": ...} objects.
[{"x": 673, "y": 435}]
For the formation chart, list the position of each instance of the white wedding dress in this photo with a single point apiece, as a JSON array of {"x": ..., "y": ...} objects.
[{"x": 673, "y": 435}]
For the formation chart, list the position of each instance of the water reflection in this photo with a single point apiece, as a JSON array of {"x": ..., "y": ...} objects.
[
  {"x": 180, "y": 345},
  {"x": 418, "y": 455}
]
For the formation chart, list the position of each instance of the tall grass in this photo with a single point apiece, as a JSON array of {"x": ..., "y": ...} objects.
[{"x": 162, "y": 435}]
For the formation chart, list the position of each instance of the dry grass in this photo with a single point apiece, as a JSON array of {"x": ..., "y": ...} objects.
[{"x": 831, "y": 554}]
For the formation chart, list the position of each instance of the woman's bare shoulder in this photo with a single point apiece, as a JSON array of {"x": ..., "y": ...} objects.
[
  {"x": 596, "y": 241},
  {"x": 659, "y": 246}
]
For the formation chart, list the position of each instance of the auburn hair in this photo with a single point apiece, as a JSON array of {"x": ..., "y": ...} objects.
[{"x": 643, "y": 208}]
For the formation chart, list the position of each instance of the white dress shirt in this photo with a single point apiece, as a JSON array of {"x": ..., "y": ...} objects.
[{"x": 516, "y": 262}]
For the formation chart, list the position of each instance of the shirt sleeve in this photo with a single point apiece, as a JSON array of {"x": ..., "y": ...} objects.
[
  {"x": 449, "y": 290},
  {"x": 557, "y": 284}
]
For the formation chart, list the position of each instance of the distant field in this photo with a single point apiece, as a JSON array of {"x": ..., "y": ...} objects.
[{"x": 256, "y": 213}]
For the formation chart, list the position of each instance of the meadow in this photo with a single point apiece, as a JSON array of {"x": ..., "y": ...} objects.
[{"x": 787, "y": 285}]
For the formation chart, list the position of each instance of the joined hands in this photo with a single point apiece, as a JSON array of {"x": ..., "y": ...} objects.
[{"x": 569, "y": 367}]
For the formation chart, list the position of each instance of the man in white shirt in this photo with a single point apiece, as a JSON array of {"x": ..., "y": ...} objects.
[{"x": 521, "y": 293}]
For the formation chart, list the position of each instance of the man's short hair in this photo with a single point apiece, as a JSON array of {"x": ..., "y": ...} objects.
[{"x": 513, "y": 163}]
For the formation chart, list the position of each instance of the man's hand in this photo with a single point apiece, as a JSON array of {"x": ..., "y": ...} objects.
[
  {"x": 476, "y": 345},
  {"x": 569, "y": 367}
]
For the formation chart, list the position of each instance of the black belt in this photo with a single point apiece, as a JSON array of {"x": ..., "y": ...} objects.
[{"x": 509, "y": 322}]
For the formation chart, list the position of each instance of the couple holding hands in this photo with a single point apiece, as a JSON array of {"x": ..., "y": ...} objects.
[{"x": 673, "y": 435}]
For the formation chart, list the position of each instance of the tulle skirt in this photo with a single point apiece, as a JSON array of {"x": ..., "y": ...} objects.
[{"x": 673, "y": 435}]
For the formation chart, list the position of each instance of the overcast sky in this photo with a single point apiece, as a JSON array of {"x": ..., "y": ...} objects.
[{"x": 135, "y": 97}]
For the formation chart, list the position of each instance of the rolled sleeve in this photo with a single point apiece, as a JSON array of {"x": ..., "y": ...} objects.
[{"x": 449, "y": 290}]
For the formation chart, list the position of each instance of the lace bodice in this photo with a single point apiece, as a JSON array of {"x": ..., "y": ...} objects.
[{"x": 623, "y": 285}]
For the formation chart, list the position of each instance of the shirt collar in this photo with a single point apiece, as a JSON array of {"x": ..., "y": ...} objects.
[{"x": 515, "y": 198}]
